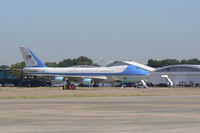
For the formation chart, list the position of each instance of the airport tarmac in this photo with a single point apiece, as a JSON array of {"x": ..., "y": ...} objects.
[
  {"x": 57, "y": 92},
  {"x": 139, "y": 114}
]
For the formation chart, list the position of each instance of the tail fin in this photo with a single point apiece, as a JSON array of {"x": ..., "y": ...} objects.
[{"x": 30, "y": 59}]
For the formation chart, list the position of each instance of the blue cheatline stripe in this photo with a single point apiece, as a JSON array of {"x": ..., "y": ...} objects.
[{"x": 40, "y": 63}]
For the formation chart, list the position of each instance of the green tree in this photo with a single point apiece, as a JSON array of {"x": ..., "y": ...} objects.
[
  {"x": 193, "y": 61},
  {"x": 83, "y": 61},
  {"x": 4, "y": 67},
  {"x": 51, "y": 64},
  {"x": 151, "y": 63},
  {"x": 184, "y": 61},
  {"x": 167, "y": 62},
  {"x": 17, "y": 70},
  {"x": 154, "y": 63},
  {"x": 66, "y": 63}
]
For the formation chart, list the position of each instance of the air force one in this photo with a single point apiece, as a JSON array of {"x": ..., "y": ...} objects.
[{"x": 86, "y": 75}]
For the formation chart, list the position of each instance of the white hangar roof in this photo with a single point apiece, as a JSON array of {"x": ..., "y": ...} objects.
[{"x": 179, "y": 68}]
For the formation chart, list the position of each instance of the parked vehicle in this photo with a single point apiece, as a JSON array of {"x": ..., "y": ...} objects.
[{"x": 162, "y": 85}]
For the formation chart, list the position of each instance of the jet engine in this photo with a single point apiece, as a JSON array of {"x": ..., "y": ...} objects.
[
  {"x": 88, "y": 82},
  {"x": 59, "y": 79}
]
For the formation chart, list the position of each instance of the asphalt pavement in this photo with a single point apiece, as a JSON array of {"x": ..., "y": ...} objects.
[{"x": 139, "y": 114}]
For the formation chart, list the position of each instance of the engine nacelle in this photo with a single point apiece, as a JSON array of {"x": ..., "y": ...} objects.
[
  {"x": 59, "y": 79},
  {"x": 88, "y": 82}
]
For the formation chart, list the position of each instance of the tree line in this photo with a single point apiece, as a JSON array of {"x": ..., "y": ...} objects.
[
  {"x": 82, "y": 60},
  {"x": 166, "y": 62}
]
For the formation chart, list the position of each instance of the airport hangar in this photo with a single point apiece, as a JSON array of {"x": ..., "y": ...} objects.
[{"x": 179, "y": 74}]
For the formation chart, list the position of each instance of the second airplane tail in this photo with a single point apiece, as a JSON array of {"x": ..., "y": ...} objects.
[{"x": 30, "y": 59}]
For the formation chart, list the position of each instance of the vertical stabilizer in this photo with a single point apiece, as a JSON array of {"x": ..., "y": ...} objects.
[{"x": 30, "y": 59}]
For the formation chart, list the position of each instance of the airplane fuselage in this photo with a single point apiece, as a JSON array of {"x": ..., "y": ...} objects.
[
  {"x": 118, "y": 73},
  {"x": 99, "y": 71}
]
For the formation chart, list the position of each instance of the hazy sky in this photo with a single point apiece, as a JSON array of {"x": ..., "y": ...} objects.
[{"x": 112, "y": 29}]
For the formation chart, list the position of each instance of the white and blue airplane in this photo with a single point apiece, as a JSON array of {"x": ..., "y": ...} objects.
[{"x": 123, "y": 73}]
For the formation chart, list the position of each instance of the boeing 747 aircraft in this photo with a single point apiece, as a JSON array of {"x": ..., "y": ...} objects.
[{"x": 88, "y": 75}]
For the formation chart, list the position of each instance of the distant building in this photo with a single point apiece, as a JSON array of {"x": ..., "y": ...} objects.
[
  {"x": 5, "y": 75},
  {"x": 179, "y": 74},
  {"x": 7, "y": 79}
]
